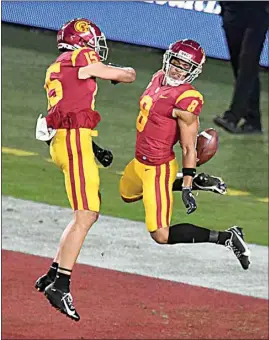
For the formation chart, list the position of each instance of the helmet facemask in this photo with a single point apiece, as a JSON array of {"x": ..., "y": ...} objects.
[
  {"x": 98, "y": 43},
  {"x": 191, "y": 73}
]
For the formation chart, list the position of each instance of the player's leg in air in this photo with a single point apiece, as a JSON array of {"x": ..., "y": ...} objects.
[
  {"x": 154, "y": 184},
  {"x": 73, "y": 153}
]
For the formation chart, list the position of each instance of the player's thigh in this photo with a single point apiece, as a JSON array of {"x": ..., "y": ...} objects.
[
  {"x": 158, "y": 196},
  {"x": 130, "y": 182},
  {"x": 72, "y": 151}
]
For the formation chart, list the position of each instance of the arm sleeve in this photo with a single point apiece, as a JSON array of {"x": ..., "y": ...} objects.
[
  {"x": 84, "y": 57},
  {"x": 191, "y": 101}
]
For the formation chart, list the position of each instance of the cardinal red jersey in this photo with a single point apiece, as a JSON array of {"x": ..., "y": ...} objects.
[
  {"x": 157, "y": 129},
  {"x": 70, "y": 99}
]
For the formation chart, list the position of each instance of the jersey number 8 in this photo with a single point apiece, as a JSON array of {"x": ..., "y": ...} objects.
[
  {"x": 193, "y": 105},
  {"x": 145, "y": 106}
]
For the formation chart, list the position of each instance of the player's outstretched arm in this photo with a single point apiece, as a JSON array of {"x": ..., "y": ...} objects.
[{"x": 108, "y": 72}]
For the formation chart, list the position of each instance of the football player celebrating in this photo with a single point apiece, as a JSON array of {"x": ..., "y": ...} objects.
[
  {"x": 169, "y": 112},
  {"x": 71, "y": 90}
]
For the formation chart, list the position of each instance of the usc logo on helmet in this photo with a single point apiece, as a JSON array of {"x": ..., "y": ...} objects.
[{"x": 82, "y": 26}]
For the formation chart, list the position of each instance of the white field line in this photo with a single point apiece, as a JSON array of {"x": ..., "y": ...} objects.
[{"x": 124, "y": 245}]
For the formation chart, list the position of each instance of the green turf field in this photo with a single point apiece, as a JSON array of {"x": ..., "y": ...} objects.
[{"x": 242, "y": 160}]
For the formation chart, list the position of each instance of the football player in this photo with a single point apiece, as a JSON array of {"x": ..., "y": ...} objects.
[
  {"x": 71, "y": 90},
  {"x": 169, "y": 113}
]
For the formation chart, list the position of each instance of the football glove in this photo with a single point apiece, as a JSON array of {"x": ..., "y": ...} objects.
[
  {"x": 104, "y": 157},
  {"x": 43, "y": 132},
  {"x": 188, "y": 200},
  {"x": 114, "y": 82}
]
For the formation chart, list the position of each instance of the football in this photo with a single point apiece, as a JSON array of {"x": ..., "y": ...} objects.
[{"x": 207, "y": 145}]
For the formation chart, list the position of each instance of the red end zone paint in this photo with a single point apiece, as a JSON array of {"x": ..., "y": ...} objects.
[{"x": 123, "y": 306}]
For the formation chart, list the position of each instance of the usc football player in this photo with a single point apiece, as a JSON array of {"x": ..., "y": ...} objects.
[
  {"x": 71, "y": 90},
  {"x": 169, "y": 113}
]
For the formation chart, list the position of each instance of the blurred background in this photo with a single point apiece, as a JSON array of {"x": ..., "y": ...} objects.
[{"x": 137, "y": 33}]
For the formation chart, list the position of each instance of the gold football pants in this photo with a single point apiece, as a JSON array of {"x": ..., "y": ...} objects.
[
  {"x": 154, "y": 184},
  {"x": 72, "y": 152}
]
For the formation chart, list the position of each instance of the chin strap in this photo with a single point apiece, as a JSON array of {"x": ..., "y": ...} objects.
[{"x": 171, "y": 82}]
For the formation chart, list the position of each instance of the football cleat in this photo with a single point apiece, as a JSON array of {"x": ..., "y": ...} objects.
[
  {"x": 42, "y": 282},
  {"x": 237, "y": 244},
  {"x": 206, "y": 182},
  {"x": 61, "y": 301},
  {"x": 203, "y": 182}
]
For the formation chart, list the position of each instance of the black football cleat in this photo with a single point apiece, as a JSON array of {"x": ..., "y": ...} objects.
[
  {"x": 237, "y": 244},
  {"x": 61, "y": 301},
  {"x": 42, "y": 282},
  {"x": 207, "y": 182},
  {"x": 203, "y": 182}
]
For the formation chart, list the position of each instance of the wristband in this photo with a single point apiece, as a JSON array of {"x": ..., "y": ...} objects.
[{"x": 189, "y": 172}]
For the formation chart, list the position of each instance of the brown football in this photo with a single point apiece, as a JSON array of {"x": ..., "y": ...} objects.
[{"x": 207, "y": 145}]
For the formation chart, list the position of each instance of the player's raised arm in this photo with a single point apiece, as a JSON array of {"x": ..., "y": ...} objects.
[{"x": 108, "y": 72}]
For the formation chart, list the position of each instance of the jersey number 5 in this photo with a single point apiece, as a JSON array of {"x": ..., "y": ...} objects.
[
  {"x": 53, "y": 87},
  {"x": 145, "y": 106}
]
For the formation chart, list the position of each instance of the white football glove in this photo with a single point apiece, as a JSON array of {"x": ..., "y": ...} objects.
[{"x": 43, "y": 133}]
